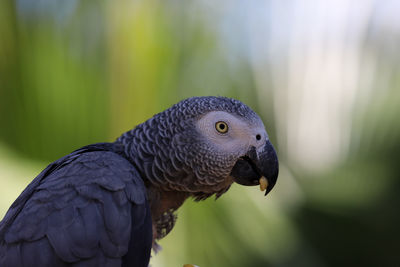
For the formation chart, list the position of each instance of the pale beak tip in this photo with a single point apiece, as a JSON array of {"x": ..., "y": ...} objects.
[{"x": 263, "y": 183}]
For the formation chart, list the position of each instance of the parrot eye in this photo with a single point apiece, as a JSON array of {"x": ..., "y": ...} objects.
[{"x": 221, "y": 127}]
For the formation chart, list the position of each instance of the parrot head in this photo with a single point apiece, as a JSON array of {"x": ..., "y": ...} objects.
[
  {"x": 240, "y": 142},
  {"x": 202, "y": 145}
]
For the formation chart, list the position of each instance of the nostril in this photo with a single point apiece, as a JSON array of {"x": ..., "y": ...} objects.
[{"x": 258, "y": 137}]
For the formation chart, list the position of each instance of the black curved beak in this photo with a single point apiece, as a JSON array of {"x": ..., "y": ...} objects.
[{"x": 250, "y": 168}]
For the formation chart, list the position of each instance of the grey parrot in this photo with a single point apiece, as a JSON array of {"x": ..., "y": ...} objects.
[{"x": 107, "y": 204}]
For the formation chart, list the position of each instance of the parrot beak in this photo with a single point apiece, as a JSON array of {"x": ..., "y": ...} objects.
[{"x": 257, "y": 168}]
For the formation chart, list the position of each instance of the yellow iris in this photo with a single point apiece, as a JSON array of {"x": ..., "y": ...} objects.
[{"x": 221, "y": 127}]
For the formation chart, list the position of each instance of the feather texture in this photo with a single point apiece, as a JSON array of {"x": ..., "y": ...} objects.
[{"x": 85, "y": 209}]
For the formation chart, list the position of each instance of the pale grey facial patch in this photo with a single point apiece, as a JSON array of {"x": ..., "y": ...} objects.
[{"x": 241, "y": 134}]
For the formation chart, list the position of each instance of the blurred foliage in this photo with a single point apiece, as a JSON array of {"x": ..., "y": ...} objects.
[{"x": 324, "y": 77}]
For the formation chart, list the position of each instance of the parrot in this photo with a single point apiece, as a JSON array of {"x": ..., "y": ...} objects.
[{"x": 107, "y": 204}]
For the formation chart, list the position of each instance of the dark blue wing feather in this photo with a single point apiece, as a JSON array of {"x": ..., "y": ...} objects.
[{"x": 86, "y": 209}]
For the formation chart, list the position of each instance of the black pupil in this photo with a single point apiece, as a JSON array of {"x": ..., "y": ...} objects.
[
  {"x": 258, "y": 137},
  {"x": 222, "y": 126}
]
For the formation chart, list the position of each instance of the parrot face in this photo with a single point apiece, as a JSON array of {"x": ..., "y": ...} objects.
[{"x": 241, "y": 145}]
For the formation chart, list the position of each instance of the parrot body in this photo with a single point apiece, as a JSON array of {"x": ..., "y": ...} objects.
[
  {"x": 107, "y": 204},
  {"x": 84, "y": 208}
]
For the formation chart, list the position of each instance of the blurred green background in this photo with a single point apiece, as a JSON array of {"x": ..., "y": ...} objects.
[{"x": 323, "y": 75}]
